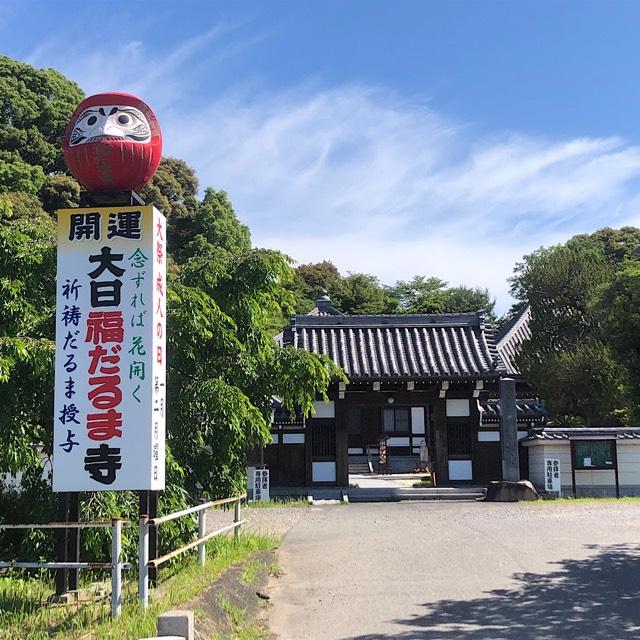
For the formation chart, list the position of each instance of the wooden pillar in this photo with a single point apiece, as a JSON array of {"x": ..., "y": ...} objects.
[
  {"x": 440, "y": 456},
  {"x": 308, "y": 452},
  {"x": 509, "y": 430},
  {"x": 342, "y": 458}
]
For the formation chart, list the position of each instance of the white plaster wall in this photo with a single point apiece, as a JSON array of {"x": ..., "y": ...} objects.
[
  {"x": 541, "y": 449},
  {"x": 458, "y": 408},
  {"x": 629, "y": 462},
  {"x": 324, "y": 409},
  {"x": 323, "y": 471},
  {"x": 293, "y": 438}
]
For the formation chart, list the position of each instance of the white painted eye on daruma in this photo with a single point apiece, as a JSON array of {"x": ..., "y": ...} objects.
[{"x": 110, "y": 122}]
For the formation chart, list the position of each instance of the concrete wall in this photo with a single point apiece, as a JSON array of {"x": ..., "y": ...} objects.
[{"x": 596, "y": 483}]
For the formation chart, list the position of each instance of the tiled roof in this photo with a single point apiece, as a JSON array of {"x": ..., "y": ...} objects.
[
  {"x": 440, "y": 346},
  {"x": 559, "y": 433},
  {"x": 510, "y": 337},
  {"x": 527, "y": 410}
]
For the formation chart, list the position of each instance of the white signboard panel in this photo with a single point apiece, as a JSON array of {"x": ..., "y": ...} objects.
[
  {"x": 261, "y": 484},
  {"x": 109, "y": 420},
  {"x": 552, "y": 475}
]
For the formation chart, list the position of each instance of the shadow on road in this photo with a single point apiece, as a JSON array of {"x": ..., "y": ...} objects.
[{"x": 593, "y": 599}]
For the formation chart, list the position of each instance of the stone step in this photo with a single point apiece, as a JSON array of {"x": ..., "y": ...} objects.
[
  {"x": 359, "y": 468},
  {"x": 397, "y": 495}
]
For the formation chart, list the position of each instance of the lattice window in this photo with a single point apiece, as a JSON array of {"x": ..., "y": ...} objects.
[{"x": 459, "y": 439}]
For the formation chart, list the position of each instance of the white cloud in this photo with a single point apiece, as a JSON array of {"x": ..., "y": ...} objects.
[{"x": 370, "y": 179}]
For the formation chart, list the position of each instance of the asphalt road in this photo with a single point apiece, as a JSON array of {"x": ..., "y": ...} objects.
[{"x": 463, "y": 571}]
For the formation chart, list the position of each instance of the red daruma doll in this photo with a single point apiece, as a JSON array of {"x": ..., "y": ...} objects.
[{"x": 113, "y": 143}]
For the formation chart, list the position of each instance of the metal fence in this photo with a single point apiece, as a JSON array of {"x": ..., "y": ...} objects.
[
  {"x": 145, "y": 523},
  {"x": 116, "y": 565}
]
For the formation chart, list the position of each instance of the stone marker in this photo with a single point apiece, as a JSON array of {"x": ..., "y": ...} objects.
[
  {"x": 504, "y": 491},
  {"x": 176, "y": 623}
]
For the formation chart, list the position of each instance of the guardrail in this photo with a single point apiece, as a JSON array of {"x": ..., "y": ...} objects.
[
  {"x": 201, "y": 509},
  {"x": 116, "y": 565}
]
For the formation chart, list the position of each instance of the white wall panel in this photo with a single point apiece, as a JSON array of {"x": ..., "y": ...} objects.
[
  {"x": 417, "y": 420},
  {"x": 324, "y": 409},
  {"x": 460, "y": 470},
  {"x": 488, "y": 436},
  {"x": 458, "y": 408},
  {"x": 323, "y": 471},
  {"x": 293, "y": 438},
  {"x": 398, "y": 442}
]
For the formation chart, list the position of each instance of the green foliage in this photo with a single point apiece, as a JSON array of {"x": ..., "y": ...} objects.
[
  {"x": 433, "y": 295},
  {"x": 619, "y": 306},
  {"x": 59, "y": 192},
  {"x": 361, "y": 293},
  {"x": 18, "y": 175},
  {"x": 17, "y": 204},
  {"x": 574, "y": 359},
  {"x": 174, "y": 190},
  {"x": 35, "y": 107}
]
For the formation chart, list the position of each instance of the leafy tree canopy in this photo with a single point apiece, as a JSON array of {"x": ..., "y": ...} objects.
[{"x": 574, "y": 357}]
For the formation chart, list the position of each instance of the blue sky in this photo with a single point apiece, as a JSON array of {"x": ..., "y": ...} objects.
[{"x": 393, "y": 138}]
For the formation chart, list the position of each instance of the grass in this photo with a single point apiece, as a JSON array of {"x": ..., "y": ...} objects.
[
  {"x": 274, "y": 570},
  {"x": 293, "y": 503},
  {"x": 241, "y": 630},
  {"x": 24, "y": 612},
  {"x": 251, "y": 572},
  {"x": 424, "y": 483}
]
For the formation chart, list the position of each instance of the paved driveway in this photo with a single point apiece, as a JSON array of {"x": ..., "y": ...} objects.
[{"x": 463, "y": 571}]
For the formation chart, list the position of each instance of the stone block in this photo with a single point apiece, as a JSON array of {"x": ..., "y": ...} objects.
[
  {"x": 176, "y": 623},
  {"x": 505, "y": 491}
]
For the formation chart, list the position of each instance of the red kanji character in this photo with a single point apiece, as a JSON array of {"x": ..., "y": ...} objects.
[
  {"x": 159, "y": 252},
  {"x": 106, "y": 394},
  {"x": 104, "y": 326},
  {"x": 160, "y": 285},
  {"x": 159, "y": 354},
  {"x": 99, "y": 356},
  {"x": 159, "y": 230},
  {"x": 159, "y": 308},
  {"x": 104, "y": 426}
]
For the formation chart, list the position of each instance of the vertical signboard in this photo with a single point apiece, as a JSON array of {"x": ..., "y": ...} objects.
[
  {"x": 261, "y": 484},
  {"x": 109, "y": 420},
  {"x": 552, "y": 475}
]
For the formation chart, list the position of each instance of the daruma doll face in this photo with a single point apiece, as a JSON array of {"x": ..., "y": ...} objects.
[{"x": 113, "y": 143}]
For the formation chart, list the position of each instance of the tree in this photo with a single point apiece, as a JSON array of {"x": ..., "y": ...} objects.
[
  {"x": 35, "y": 107},
  {"x": 619, "y": 306},
  {"x": 361, "y": 293},
  {"x": 174, "y": 191},
  {"x": 569, "y": 359},
  {"x": 433, "y": 295}
]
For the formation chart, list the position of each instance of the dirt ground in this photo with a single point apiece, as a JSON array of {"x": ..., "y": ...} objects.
[{"x": 460, "y": 571}]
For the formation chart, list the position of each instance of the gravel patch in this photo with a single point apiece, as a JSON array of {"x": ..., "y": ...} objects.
[{"x": 273, "y": 521}]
